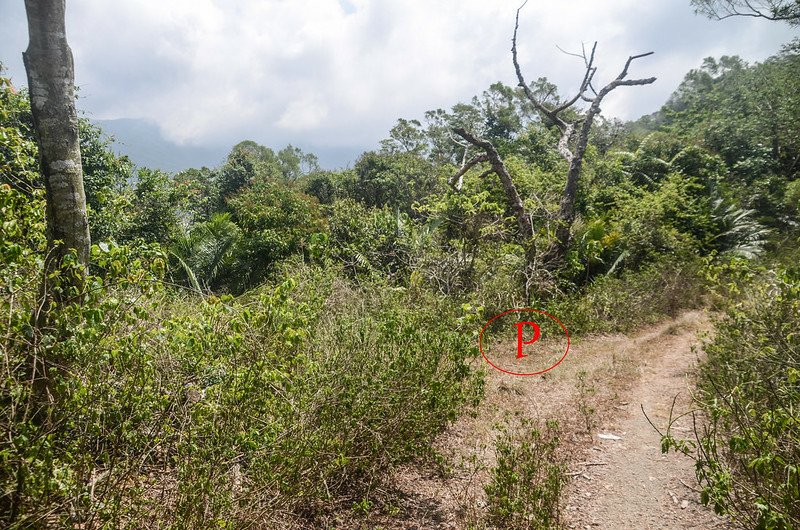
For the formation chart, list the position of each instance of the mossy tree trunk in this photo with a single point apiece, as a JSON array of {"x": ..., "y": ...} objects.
[{"x": 51, "y": 82}]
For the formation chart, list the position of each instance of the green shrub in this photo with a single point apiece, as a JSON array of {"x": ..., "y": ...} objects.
[
  {"x": 525, "y": 486},
  {"x": 621, "y": 303},
  {"x": 748, "y": 451},
  {"x": 150, "y": 404},
  {"x": 370, "y": 242}
]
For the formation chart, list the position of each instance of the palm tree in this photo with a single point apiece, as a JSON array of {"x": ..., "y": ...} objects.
[
  {"x": 739, "y": 233},
  {"x": 206, "y": 253}
]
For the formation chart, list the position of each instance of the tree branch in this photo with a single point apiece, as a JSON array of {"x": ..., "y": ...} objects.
[
  {"x": 775, "y": 10},
  {"x": 585, "y": 84},
  {"x": 457, "y": 179},
  {"x": 512, "y": 195},
  {"x": 549, "y": 113}
]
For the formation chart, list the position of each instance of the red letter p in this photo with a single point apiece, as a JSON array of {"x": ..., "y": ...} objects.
[{"x": 520, "y": 342}]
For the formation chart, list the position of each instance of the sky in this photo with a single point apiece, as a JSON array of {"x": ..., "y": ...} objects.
[{"x": 337, "y": 74}]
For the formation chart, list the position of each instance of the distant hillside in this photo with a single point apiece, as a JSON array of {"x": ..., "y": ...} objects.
[{"x": 143, "y": 143}]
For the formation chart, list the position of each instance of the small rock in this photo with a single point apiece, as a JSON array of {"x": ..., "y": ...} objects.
[
  {"x": 684, "y": 504},
  {"x": 674, "y": 497},
  {"x": 604, "y": 436}
]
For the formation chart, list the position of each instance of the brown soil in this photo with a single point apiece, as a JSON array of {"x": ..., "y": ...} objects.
[{"x": 616, "y": 484}]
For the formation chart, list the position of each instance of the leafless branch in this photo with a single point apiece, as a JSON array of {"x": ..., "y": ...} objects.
[
  {"x": 565, "y": 52},
  {"x": 457, "y": 179},
  {"x": 585, "y": 84},
  {"x": 552, "y": 116},
  {"x": 512, "y": 195}
]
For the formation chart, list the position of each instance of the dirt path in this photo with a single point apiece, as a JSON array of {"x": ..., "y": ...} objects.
[
  {"x": 639, "y": 487},
  {"x": 623, "y": 483}
]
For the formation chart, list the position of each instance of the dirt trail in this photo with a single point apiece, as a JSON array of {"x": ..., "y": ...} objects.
[
  {"x": 617, "y": 484},
  {"x": 640, "y": 487}
]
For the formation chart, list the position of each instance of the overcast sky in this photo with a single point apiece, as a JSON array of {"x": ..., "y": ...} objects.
[{"x": 338, "y": 73}]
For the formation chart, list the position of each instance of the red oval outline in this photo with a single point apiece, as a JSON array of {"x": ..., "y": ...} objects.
[{"x": 521, "y": 310}]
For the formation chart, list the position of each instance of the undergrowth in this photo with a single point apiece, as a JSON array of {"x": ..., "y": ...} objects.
[
  {"x": 147, "y": 406},
  {"x": 747, "y": 442},
  {"x": 525, "y": 486}
]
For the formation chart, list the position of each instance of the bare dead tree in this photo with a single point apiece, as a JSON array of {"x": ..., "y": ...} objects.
[
  {"x": 571, "y": 146},
  {"x": 574, "y": 132},
  {"x": 51, "y": 82},
  {"x": 778, "y": 10}
]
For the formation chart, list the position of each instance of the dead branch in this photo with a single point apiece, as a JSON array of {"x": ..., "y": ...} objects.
[
  {"x": 512, "y": 195},
  {"x": 457, "y": 180}
]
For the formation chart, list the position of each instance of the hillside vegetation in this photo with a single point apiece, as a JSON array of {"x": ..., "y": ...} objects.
[{"x": 261, "y": 343}]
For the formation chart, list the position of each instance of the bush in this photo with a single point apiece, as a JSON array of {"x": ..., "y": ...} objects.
[
  {"x": 525, "y": 486},
  {"x": 371, "y": 242},
  {"x": 749, "y": 449},
  {"x": 149, "y": 404},
  {"x": 621, "y": 303},
  {"x": 748, "y": 446}
]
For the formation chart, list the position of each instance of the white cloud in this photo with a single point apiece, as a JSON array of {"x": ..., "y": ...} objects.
[
  {"x": 339, "y": 73},
  {"x": 303, "y": 114}
]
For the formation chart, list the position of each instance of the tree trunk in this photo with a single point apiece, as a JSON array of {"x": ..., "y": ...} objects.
[
  {"x": 566, "y": 215},
  {"x": 51, "y": 80}
]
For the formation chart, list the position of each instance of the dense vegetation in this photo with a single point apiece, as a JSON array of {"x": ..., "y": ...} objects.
[{"x": 261, "y": 341}]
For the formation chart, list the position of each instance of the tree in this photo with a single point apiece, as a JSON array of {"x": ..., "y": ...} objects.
[
  {"x": 50, "y": 69},
  {"x": 276, "y": 220},
  {"x": 405, "y": 137},
  {"x": 574, "y": 127},
  {"x": 749, "y": 115},
  {"x": 155, "y": 205},
  {"x": 294, "y": 163},
  {"x": 782, "y": 10}
]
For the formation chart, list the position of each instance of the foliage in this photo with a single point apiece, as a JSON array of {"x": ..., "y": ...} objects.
[
  {"x": 634, "y": 298},
  {"x": 19, "y": 164},
  {"x": 370, "y": 242},
  {"x": 154, "y": 208},
  {"x": 206, "y": 255},
  {"x": 749, "y": 447},
  {"x": 105, "y": 182},
  {"x": 525, "y": 486},
  {"x": 737, "y": 232},
  {"x": 275, "y": 221},
  {"x": 393, "y": 180},
  {"x": 748, "y": 114},
  {"x": 246, "y": 160},
  {"x": 191, "y": 411}
]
